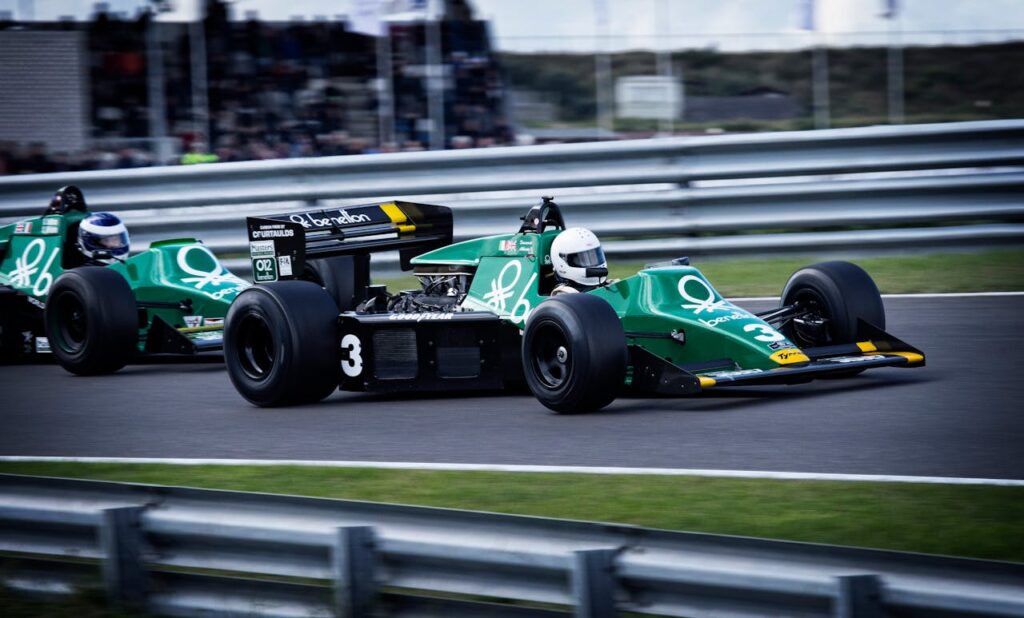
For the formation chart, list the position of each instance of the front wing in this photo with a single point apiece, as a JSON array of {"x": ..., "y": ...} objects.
[
  {"x": 875, "y": 348},
  {"x": 822, "y": 367}
]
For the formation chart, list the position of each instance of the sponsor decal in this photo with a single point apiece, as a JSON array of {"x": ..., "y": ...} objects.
[
  {"x": 264, "y": 269},
  {"x": 215, "y": 275},
  {"x": 284, "y": 265},
  {"x": 789, "y": 356},
  {"x": 25, "y": 227},
  {"x": 273, "y": 230},
  {"x": 343, "y": 217},
  {"x": 420, "y": 317},
  {"x": 261, "y": 248},
  {"x": 776, "y": 345},
  {"x": 213, "y": 322},
  {"x": 27, "y": 270},
  {"x": 515, "y": 246},
  {"x": 35, "y": 301},
  {"x": 351, "y": 361},
  {"x": 735, "y": 315},
  {"x": 503, "y": 289},
  {"x": 732, "y": 374},
  {"x": 43, "y": 346},
  {"x": 854, "y": 359},
  {"x": 193, "y": 321},
  {"x": 262, "y": 254},
  {"x": 27, "y": 341},
  {"x": 705, "y": 301},
  {"x": 51, "y": 225}
]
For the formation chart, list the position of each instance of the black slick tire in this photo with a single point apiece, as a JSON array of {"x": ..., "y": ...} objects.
[
  {"x": 92, "y": 321},
  {"x": 574, "y": 353},
  {"x": 840, "y": 292},
  {"x": 281, "y": 342}
]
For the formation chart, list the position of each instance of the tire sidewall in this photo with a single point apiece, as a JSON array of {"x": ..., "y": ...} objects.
[
  {"x": 248, "y": 305},
  {"x": 302, "y": 321},
  {"x": 596, "y": 343},
  {"x": 847, "y": 292},
  {"x": 112, "y": 327}
]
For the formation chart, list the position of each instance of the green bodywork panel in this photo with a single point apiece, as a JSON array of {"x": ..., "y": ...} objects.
[
  {"x": 513, "y": 271},
  {"x": 34, "y": 254}
]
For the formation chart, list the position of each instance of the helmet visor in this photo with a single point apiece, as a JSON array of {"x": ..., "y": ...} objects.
[
  {"x": 113, "y": 242},
  {"x": 586, "y": 259}
]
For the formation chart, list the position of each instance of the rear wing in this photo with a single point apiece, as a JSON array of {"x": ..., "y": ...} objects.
[{"x": 279, "y": 245}]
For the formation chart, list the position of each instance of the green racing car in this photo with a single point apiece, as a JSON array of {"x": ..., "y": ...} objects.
[
  {"x": 490, "y": 315},
  {"x": 69, "y": 288}
]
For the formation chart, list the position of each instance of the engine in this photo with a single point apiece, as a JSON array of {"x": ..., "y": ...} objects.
[{"x": 440, "y": 292}]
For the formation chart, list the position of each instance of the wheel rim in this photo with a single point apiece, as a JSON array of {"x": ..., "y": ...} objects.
[
  {"x": 552, "y": 356},
  {"x": 255, "y": 347},
  {"x": 813, "y": 328},
  {"x": 72, "y": 324}
]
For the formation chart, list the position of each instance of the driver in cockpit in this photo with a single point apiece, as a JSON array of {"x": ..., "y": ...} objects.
[{"x": 578, "y": 261}]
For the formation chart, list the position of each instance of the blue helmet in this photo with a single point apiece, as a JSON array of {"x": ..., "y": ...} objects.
[{"x": 102, "y": 236}]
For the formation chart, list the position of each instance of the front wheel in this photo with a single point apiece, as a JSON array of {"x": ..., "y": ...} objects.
[
  {"x": 92, "y": 321},
  {"x": 835, "y": 296},
  {"x": 574, "y": 353},
  {"x": 280, "y": 343}
]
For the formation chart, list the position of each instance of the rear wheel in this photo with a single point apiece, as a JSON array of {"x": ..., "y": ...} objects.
[
  {"x": 92, "y": 321},
  {"x": 280, "y": 343},
  {"x": 574, "y": 353},
  {"x": 835, "y": 295}
]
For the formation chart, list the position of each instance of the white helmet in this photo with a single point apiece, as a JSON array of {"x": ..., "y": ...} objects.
[{"x": 574, "y": 252}]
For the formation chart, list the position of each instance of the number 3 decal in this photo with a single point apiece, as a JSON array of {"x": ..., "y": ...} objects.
[
  {"x": 353, "y": 365},
  {"x": 768, "y": 333}
]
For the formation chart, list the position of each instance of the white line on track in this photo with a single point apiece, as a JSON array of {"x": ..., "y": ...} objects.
[
  {"x": 920, "y": 295},
  {"x": 403, "y": 465}
]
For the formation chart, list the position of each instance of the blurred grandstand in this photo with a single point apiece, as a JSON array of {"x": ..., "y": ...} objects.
[
  {"x": 118, "y": 91},
  {"x": 274, "y": 90}
]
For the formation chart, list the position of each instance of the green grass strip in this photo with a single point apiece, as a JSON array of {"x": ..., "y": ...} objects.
[
  {"x": 986, "y": 271},
  {"x": 961, "y": 520}
]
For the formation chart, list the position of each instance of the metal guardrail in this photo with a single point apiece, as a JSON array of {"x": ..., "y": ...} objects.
[
  {"x": 210, "y": 201},
  {"x": 179, "y": 551},
  {"x": 671, "y": 160}
]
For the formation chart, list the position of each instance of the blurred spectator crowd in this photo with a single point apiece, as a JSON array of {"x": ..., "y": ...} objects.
[{"x": 274, "y": 90}]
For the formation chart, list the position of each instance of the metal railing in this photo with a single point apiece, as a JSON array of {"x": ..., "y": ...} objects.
[
  {"x": 179, "y": 551},
  {"x": 673, "y": 209}
]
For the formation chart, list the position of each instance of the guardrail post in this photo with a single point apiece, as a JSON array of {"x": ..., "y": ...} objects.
[
  {"x": 859, "y": 596},
  {"x": 593, "y": 583},
  {"x": 124, "y": 574},
  {"x": 353, "y": 565}
]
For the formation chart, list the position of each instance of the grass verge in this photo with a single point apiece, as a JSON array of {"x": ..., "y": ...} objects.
[
  {"x": 972, "y": 521},
  {"x": 986, "y": 271}
]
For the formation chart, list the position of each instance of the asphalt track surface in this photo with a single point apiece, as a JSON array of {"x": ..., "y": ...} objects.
[{"x": 962, "y": 415}]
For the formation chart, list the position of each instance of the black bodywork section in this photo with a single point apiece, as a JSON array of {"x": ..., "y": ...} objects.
[
  {"x": 21, "y": 321},
  {"x": 427, "y": 351}
]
